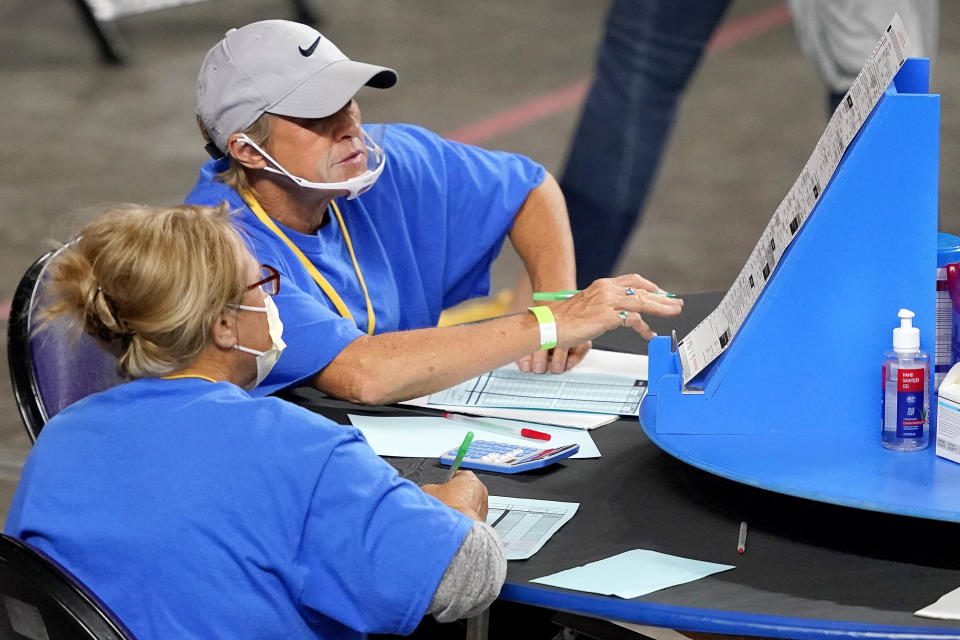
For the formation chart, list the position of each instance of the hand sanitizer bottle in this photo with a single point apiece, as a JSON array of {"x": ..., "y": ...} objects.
[{"x": 906, "y": 401}]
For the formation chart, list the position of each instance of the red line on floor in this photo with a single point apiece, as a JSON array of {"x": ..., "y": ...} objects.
[
  {"x": 736, "y": 31},
  {"x": 523, "y": 114},
  {"x": 572, "y": 95}
]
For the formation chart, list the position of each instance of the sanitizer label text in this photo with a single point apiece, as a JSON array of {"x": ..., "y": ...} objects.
[{"x": 910, "y": 393}]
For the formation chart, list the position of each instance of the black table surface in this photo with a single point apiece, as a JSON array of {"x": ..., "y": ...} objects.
[{"x": 817, "y": 569}]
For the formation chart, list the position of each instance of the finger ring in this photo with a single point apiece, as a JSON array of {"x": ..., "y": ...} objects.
[
  {"x": 623, "y": 318},
  {"x": 630, "y": 291}
]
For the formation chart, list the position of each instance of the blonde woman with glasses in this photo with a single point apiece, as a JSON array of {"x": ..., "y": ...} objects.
[{"x": 197, "y": 511}]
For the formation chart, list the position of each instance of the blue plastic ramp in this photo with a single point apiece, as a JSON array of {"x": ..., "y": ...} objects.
[{"x": 793, "y": 404}]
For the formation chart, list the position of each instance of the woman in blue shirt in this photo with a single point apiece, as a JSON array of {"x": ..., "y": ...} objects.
[
  {"x": 197, "y": 511},
  {"x": 378, "y": 229}
]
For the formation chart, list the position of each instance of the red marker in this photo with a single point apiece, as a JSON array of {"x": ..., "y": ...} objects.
[
  {"x": 742, "y": 538},
  {"x": 524, "y": 432}
]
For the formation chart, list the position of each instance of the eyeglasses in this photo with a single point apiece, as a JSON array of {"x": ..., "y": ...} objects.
[{"x": 269, "y": 280}]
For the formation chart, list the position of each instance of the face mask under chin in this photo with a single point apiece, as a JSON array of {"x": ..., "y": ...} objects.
[{"x": 376, "y": 161}]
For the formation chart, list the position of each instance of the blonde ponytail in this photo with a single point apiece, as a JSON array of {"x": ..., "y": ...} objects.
[{"x": 147, "y": 283}]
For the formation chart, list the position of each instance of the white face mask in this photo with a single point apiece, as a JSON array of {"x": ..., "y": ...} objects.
[
  {"x": 265, "y": 359},
  {"x": 376, "y": 161}
]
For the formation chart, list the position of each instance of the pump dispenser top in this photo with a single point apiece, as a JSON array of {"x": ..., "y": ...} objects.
[{"x": 906, "y": 337}]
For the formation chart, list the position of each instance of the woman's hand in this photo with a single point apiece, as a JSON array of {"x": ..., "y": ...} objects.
[
  {"x": 464, "y": 492},
  {"x": 596, "y": 310}
]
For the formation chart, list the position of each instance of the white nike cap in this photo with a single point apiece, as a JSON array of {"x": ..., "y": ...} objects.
[{"x": 281, "y": 67}]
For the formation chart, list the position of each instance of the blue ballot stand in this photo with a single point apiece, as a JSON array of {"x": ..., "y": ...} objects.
[{"x": 793, "y": 404}]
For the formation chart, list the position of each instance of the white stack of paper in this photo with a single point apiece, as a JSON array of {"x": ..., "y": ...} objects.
[{"x": 596, "y": 363}]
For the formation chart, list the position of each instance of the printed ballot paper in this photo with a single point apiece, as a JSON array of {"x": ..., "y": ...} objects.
[
  {"x": 608, "y": 383},
  {"x": 712, "y": 336},
  {"x": 597, "y": 362},
  {"x": 524, "y": 525}
]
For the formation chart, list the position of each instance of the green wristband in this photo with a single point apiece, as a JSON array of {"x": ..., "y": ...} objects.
[{"x": 548, "y": 327}]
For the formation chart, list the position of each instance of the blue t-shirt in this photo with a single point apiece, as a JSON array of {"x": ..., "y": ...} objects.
[
  {"x": 196, "y": 511},
  {"x": 424, "y": 236}
]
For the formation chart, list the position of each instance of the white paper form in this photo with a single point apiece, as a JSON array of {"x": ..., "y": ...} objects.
[
  {"x": 711, "y": 337},
  {"x": 946, "y": 608},
  {"x": 569, "y": 391},
  {"x": 567, "y": 419},
  {"x": 613, "y": 363},
  {"x": 524, "y": 525},
  {"x": 431, "y": 436},
  {"x": 596, "y": 361}
]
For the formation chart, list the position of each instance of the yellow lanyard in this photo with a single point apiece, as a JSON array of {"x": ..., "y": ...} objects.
[
  {"x": 311, "y": 269},
  {"x": 188, "y": 375}
]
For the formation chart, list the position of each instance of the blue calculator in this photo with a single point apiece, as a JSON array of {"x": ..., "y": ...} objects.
[{"x": 507, "y": 458}]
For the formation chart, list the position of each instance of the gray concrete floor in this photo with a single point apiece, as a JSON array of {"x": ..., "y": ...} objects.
[{"x": 78, "y": 135}]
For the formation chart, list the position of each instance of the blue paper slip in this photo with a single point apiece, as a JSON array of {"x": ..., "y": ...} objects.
[
  {"x": 430, "y": 437},
  {"x": 632, "y": 574}
]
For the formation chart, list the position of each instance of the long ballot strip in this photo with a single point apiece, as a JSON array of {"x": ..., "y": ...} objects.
[{"x": 712, "y": 336}]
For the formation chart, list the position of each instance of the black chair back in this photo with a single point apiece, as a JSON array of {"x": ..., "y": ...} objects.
[
  {"x": 40, "y": 600},
  {"x": 52, "y": 369}
]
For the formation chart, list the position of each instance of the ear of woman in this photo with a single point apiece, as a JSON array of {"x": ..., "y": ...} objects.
[{"x": 223, "y": 332}]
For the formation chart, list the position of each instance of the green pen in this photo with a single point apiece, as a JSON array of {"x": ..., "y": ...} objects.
[
  {"x": 563, "y": 295},
  {"x": 555, "y": 295},
  {"x": 462, "y": 452}
]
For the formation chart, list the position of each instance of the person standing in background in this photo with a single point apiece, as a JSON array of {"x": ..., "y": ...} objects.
[
  {"x": 647, "y": 55},
  {"x": 837, "y": 36}
]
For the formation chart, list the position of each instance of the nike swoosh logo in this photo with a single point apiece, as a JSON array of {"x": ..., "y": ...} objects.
[{"x": 306, "y": 53}]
